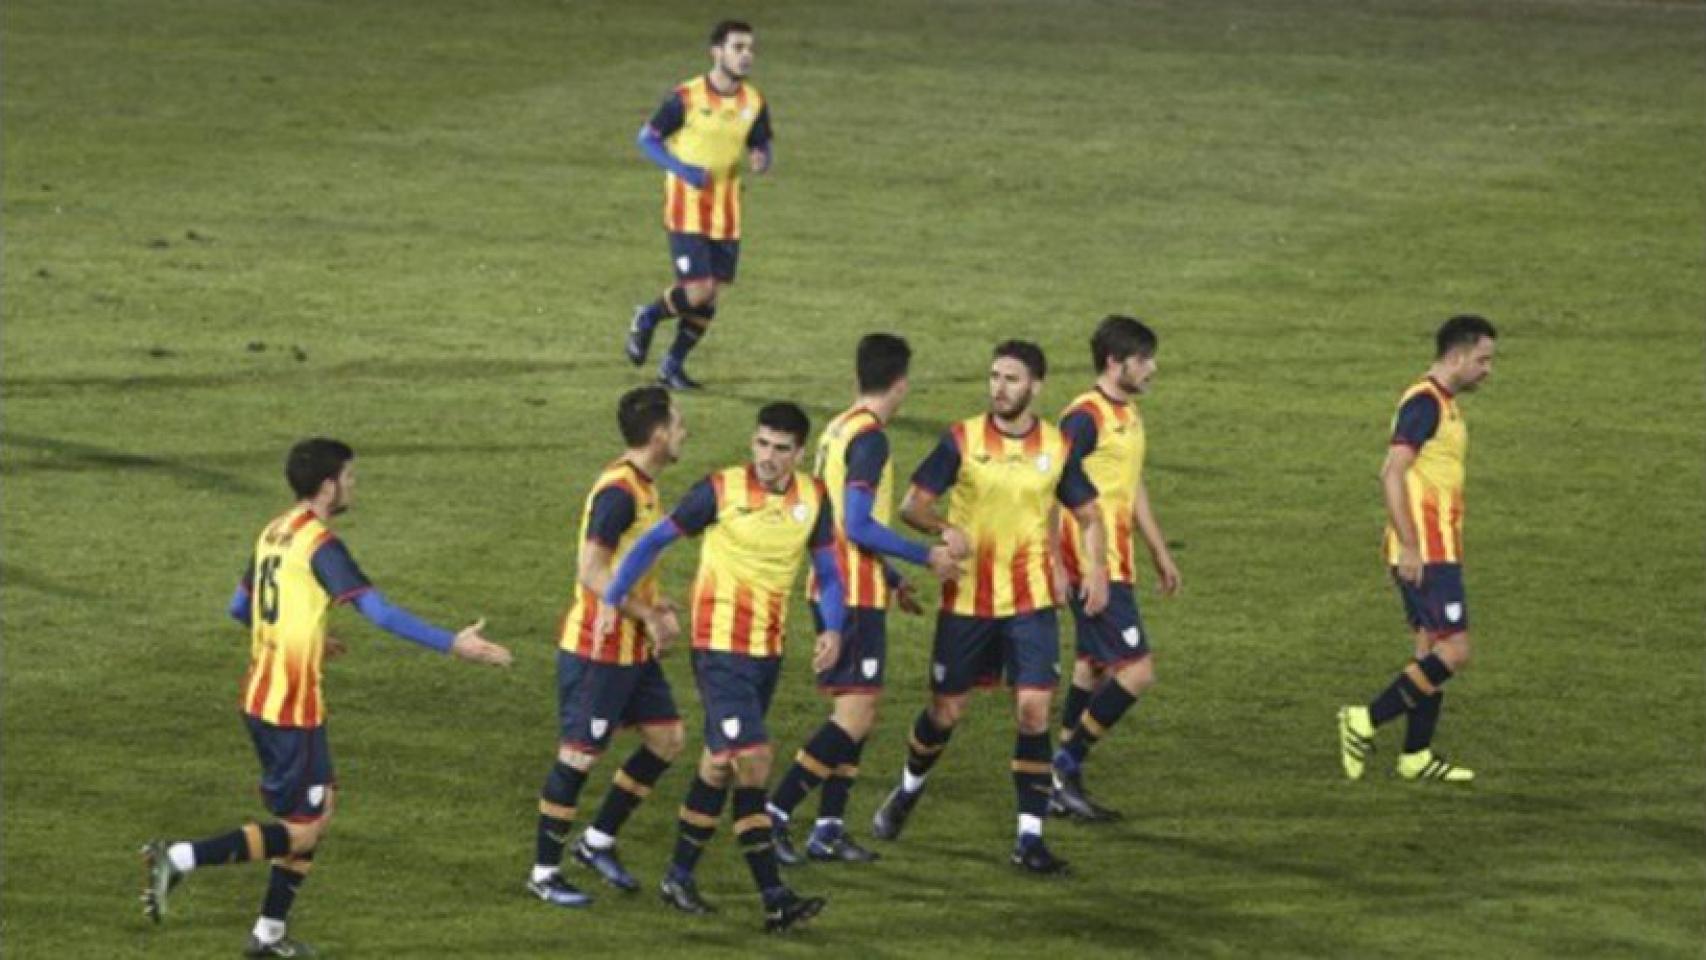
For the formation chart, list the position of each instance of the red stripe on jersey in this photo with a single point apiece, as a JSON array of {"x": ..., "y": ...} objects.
[
  {"x": 983, "y": 602},
  {"x": 773, "y": 629},
  {"x": 1022, "y": 602},
  {"x": 311, "y": 703},
  {"x": 258, "y": 702},
  {"x": 1094, "y": 409},
  {"x": 1069, "y": 547},
  {"x": 677, "y": 205},
  {"x": 1430, "y": 520},
  {"x": 704, "y": 609},
  {"x": 754, "y": 490},
  {"x": 1122, "y": 530},
  {"x": 707, "y": 203},
  {"x": 740, "y": 635},
  {"x": 867, "y": 579},
  {"x": 292, "y": 691},
  {"x": 729, "y": 230},
  {"x": 992, "y": 437},
  {"x": 958, "y": 432},
  {"x": 1457, "y": 523},
  {"x": 1034, "y": 440},
  {"x": 950, "y": 593},
  {"x": 717, "y": 488},
  {"x": 586, "y": 643}
]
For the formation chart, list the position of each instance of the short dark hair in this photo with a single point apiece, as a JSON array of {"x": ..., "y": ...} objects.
[
  {"x": 1026, "y": 353},
  {"x": 640, "y": 412},
  {"x": 1463, "y": 330},
  {"x": 787, "y": 418},
  {"x": 721, "y": 31},
  {"x": 1118, "y": 338},
  {"x": 882, "y": 360},
  {"x": 314, "y": 461}
]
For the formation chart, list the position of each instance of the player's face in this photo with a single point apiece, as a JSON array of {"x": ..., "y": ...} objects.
[
  {"x": 343, "y": 489},
  {"x": 734, "y": 55},
  {"x": 774, "y": 455},
  {"x": 675, "y": 435},
  {"x": 1135, "y": 372},
  {"x": 1011, "y": 387},
  {"x": 1475, "y": 364}
]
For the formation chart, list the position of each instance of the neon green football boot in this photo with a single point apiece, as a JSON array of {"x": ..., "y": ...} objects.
[
  {"x": 1356, "y": 740},
  {"x": 1427, "y": 765}
]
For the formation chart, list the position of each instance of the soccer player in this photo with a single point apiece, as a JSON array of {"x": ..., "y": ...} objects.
[
  {"x": 298, "y": 570},
  {"x": 699, "y": 136},
  {"x": 612, "y": 679},
  {"x": 758, "y": 520},
  {"x": 1006, "y": 469},
  {"x": 853, "y": 463},
  {"x": 1422, "y": 480},
  {"x": 1114, "y": 663}
]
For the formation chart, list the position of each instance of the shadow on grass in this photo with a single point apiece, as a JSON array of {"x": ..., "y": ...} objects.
[
  {"x": 445, "y": 368},
  {"x": 12, "y": 575},
  {"x": 74, "y": 457}
]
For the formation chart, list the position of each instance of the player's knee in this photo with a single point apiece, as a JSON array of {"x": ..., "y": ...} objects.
[
  {"x": 1138, "y": 676},
  {"x": 713, "y": 770},
  {"x": 856, "y": 715},
  {"x": 576, "y": 758},
  {"x": 1454, "y": 651},
  {"x": 1086, "y": 675},
  {"x": 1031, "y": 710},
  {"x": 665, "y": 741},
  {"x": 945, "y": 711},
  {"x": 700, "y": 294},
  {"x": 305, "y": 835},
  {"x": 752, "y": 769}
]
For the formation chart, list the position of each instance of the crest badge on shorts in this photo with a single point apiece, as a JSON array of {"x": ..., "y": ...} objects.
[
  {"x": 316, "y": 794},
  {"x": 599, "y": 726},
  {"x": 731, "y": 727},
  {"x": 1454, "y": 611},
  {"x": 939, "y": 672},
  {"x": 868, "y": 666},
  {"x": 1131, "y": 636}
]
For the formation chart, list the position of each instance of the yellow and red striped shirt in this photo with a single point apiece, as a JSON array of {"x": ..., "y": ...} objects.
[
  {"x": 1108, "y": 435},
  {"x": 862, "y": 572},
  {"x": 750, "y": 557},
  {"x": 623, "y": 492},
  {"x": 1429, "y": 421},
  {"x": 1003, "y": 489},
  {"x": 708, "y": 129}
]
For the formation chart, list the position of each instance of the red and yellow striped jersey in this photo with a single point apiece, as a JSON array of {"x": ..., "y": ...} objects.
[
  {"x": 751, "y": 557},
  {"x": 297, "y": 564},
  {"x": 1003, "y": 488},
  {"x": 710, "y": 130},
  {"x": 861, "y": 570},
  {"x": 1108, "y": 435},
  {"x": 1429, "y": 422},
  {"x": 620, "y": 508}
]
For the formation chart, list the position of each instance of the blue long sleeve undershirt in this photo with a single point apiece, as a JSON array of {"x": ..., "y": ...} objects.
[
  {"x": 864, "y": 530},
  {"x": 832, "y": 596},
  {"x": 377, "y": 610},
  {"x": 653, "y": 147},
  {"x": 639, "y": 559}
]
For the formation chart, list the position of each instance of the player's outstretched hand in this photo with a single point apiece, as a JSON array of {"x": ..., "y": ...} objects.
[
  {"x": 827, "y": 651},
  {"x": 943, "y": 563},
  {"x": 957, "y": 542},
  {"x": 1094, "y": 591},
  {"x": 1167, "y": 574},
  {"x": 471, "y": 645}
]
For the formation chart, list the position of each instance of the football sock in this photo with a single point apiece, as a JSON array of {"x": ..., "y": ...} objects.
[
  {"x": 699, "y": 815},
  {"x": 1424, "y": 716},
  {"x": 752, "y": 827},
  {"x": 815, "y": 763},
  {"x": 268, "y": 930},
  {"x": 557, "y": 813},
  {"x": 1106, "y": 707},
  {"x": 688, "y": 333},
  {"x": 1414, "y": 683},
  {"x": 1031, "y": 776},
  {"x": 1077, "y": 698},
  {"x": 283, "y": 882},
  {"x": 653, "y": 314},
  {"x": 676, "y": 303},
  {"x": 632, "y": 784},
  {"x": 839, "y": 788},
  {"x": 924, "y": 747},
  {"x": 255, "y": 841}
]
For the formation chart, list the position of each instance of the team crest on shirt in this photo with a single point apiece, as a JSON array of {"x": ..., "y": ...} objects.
[
  {"x": 731, "y": 727},
  {"x": 746, "y": 114},
  {"x": 800, "y": 513},
  {"x": 1043, "y": 463},
  {"x": 869, "y": 667},
  {"x": 599, "y": 726},
  {"x": 1454, "y": 611}
]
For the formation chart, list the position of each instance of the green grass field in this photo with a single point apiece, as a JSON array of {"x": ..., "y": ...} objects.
[{"x": 432, "y": 217}]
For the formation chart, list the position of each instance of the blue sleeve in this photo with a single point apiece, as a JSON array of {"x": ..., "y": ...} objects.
[
  {"x": 239, "y": 607},
  {"x": 823, "y": 531},
  {"x": 867, "y": 455},
  {"x": 1080, "y": 429},
  {"x": 831, "y": 604},
  {"x": 337, "y": 572},
  {"x": 760, "y": 134},
  {"x": 941, "y": 468},
  {"x": 400, "y": 622},
  {"x": 668, "y": 117},
  {"x": 612, "y": 515},
  {"x": 1074, "y": 489},
  {"x": 1418, "y": 420},
  {"x": 864, "y": 530},
  {"x": 659, "y": 154},
  {"x": 697, "y": 510},
  {"x": 639, "y": 559}
]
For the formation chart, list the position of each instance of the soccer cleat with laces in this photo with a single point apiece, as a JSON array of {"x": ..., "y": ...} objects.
[
  {"x": 1356, "y": 740},
  {"x": 1425, "y": 765},
  {"x": 890, "y": 818},
  {"x": 639, "y": 337},
  {"x": 282, "y": 947},
  {"x": 606, "y": 864},
  {"x": 782, "y": 842},
  {"x": 683, "y": 894},
  {"x": 789, "y": 910},
  {"x": 558, "y": 892},
  {"x": 1070, "y": 798},
  {"x": 1031, "y": 855},
  {"x": 835, "y": 846},
  {"x": 162, "y": 877}
]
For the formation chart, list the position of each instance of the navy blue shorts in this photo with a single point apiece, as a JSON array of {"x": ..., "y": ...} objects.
[
  {"x": 1115, "y": 636},
  {"x": 1438, "y": 606},
  {"x": 594, "y": 700},
  {"x": 864, "y": 652},
  {"x": 736, "y": 691},
  {"x": 697, "y": 257},
  {"x": 978, "y": 651},
  {"x": 296, "y": 768}
]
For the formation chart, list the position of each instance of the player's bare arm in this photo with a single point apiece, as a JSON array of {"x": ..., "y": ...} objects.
[
  {"x": 918, "y": 509},
  {"x": 1094, "y": 590},
  {"x": 1166, "y": 572},
  {"x": 1399, "y": 457},
  {"x": 595, "y": 573}
]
